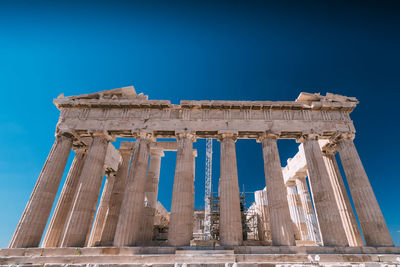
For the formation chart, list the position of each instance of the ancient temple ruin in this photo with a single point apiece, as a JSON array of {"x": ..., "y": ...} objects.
[{"x": 304, "y": 211}]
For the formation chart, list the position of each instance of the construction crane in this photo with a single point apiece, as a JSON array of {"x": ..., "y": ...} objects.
[{"x": 208, "y": 188}]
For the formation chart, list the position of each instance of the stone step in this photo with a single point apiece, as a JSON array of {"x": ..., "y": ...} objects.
[{"x": 204, "y": 252}]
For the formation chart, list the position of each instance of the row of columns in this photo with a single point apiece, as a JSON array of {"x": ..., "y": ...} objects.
[
  {"x": 125, "y": 211},
  {"x": 308, "y": 210},
  {"x": 336, "y": 222}
]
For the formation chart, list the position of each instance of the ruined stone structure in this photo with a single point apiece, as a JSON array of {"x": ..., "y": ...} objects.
[{"x": 116, "y": 227}]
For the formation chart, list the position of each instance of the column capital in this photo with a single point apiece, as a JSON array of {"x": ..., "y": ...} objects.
[
  {"x": 267, "y": 135},
  {"x": 103, "y": 134},
  {"x": 190, "y": 135},
  {"x": 66, "y": 133},
  {"x": 227, "y": 135},
  {"x": 346, "y": 136},
  {"x": 145, "y": 135},
  {"x": 80, "y": 148},
  {"x": 82, "y": 144},
  {"x": 329, "y": 149},
  {"x": 307, "y": 136}
]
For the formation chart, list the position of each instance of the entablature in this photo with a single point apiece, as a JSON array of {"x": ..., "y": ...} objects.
[{"x": 123, "y": 113}]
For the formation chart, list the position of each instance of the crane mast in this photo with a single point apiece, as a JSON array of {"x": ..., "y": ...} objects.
[{"x": 208, "y": 188}]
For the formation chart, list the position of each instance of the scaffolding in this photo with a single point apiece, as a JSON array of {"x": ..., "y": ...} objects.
[
  {"x": 208, "y": 190},
  {"x": 249, "y": 216},
  {"x": 214, "y": 217}
]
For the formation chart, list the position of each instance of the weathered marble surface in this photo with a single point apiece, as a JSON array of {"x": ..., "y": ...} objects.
[
  {"x": 123, "y": 114},
  {"x": 218, "y": 256},
  {"x": 93, "y": 120}
]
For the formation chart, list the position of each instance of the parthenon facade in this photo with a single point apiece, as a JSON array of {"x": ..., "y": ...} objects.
[{"x": 303, "y": 204}]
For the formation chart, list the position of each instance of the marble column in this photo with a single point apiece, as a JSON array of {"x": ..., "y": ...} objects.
[
  {"x": 153, "y": 176},
  {"x": 111, "y": 220},
  {"x": 370, "y": 216},
  {"x": 230, "y": 222},
  {"x": 80, "y": 217},
  {"x": 34, "y": 218},
  {"x": 261, "y": 200},
  {"x": 329, "y": 220},
  {"x": 343, "y": 202},
  {"x": 194, "y": 153},
  {"x": 296, "y": 212},
  {"x": 102, "y": 210},
  {"x": 182, "y": 209},
  {"x": 64, "y": 203},
  {"x": 280, "y": 222},
  {"x": 311, "y": 222},
  {"x": 131, "y": 213}
]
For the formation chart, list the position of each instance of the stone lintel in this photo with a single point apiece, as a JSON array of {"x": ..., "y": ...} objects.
[{"x": 204, "y": 129}]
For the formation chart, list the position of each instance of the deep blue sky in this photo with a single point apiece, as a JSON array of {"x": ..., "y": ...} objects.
[{"x": 197, "y": 50}]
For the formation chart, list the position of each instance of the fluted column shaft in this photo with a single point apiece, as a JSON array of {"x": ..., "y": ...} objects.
[
  {"x": 311, "y": 222},
  {"x": 327, "y": 211},
  {"x": 297, "y": 213},
  {"x": 194, "y": 153},
  {"x": 181, "y": 219},
  {"x": 343, "y": 202},
  {"x": 64, "y": 203},
  {"x": 81, "y": 215},
  {"x": 261, "y": 201},
  {"x": 34, "y": 218},
  {"x": 230, "y": 221},
  {"x": 370, "y": 216},
  {"x": 131, "y": 213},
  {"x": 102, "y": 210},
  {"x": 280, "y": 223},
  {"x": 153, "y": 176},
  {"x": 111, "y": 220}
]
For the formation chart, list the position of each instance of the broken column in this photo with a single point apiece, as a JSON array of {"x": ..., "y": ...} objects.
[{"x": 152, "y": 180}]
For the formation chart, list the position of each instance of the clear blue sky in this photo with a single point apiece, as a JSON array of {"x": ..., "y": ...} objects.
[{"x": 197, "y": 50}]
